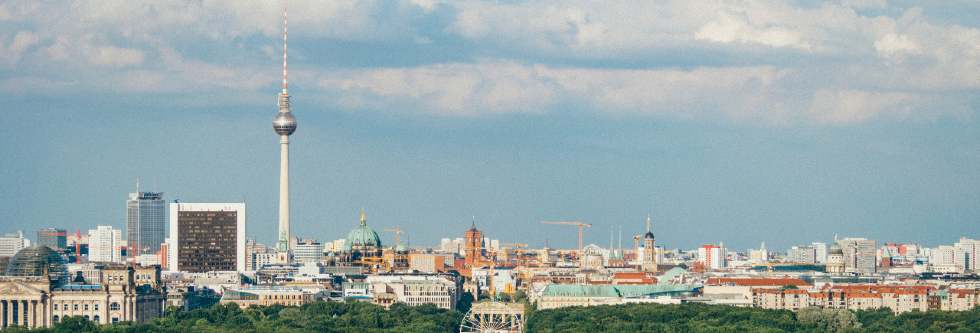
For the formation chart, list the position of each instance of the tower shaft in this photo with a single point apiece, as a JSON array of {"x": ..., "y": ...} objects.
[{"x": 284, "y": 235}]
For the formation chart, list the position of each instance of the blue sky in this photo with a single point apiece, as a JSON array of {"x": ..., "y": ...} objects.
[{"x": 742, "y": 122}]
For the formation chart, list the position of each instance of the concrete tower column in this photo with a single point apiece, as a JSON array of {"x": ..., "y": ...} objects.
[
  {"x": 284, "y": 233},
  {"x": 31, "y": 313}
]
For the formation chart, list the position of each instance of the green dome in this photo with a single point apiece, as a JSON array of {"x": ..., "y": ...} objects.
[
  {"x": 362, "y": 236},
  {"x": 38, "y": 260}
]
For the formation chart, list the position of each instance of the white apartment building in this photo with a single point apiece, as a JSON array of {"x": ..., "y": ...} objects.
[
  {"x": 104, "y": 244},
  {"x": 11, "y": 243}
]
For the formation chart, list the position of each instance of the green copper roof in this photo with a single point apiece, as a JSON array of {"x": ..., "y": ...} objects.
[{"x": 581, "y": 290}]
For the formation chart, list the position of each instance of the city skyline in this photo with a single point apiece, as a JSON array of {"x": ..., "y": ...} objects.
[{"x": 429, "y": 126}]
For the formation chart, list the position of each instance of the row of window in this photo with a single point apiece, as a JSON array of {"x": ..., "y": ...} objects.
[
  {"x": 74, "y": 307},
  {"x": 56, "y": 319}
]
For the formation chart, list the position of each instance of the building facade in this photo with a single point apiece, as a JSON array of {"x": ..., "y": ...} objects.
[
  {"x": 56, "y": 239},
  {"x": 11, "y": 243},
  {"x": 146, "y": 223},
  {"x": 860, "y": 255},
  {"x": 206, "y": 237},
  {"x": 35, "y": 292},
  {"x": 104, "y": 244}
]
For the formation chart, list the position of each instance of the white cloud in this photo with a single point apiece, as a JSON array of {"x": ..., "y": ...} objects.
[
  {"x": 892, "y": 44},
  {"x": 729, "y": 28},
  {"x": 114, "y": 56}
]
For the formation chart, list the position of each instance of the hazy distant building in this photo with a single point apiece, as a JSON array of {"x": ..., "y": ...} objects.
[
  {"x": 104, "y": 244},
  {"x": 308, "y": 251},
  {"x": 474, "y": 246},
  {"x": 56, "y": 239},
  {"x": 712, "y": 256},
  {"x": 11, "y": 243},
  {"x": 802, "y": 254},
  {"x": 820, "y": 252},
  {"x": 970, "y": 250},
  {"x": 835, "y": 260},
  {"x": 206, "y": 237},
  {"x": 859, "y": 255},
  {"x": 146, "y": 223}
]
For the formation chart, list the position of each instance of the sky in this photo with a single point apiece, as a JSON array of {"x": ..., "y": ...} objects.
[{"x": 741, "y": 122}]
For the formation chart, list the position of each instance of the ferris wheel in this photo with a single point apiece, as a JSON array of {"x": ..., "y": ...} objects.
[{"x": 493, "y": 317}]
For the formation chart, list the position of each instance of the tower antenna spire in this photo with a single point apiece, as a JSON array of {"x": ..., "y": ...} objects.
[{"x": 285, "y": 48}]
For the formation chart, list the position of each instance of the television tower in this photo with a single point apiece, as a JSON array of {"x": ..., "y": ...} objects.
[{"x": 284, "y": 124}]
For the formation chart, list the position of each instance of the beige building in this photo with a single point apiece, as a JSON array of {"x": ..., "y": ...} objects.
[
  {"x": 899, "y": 299},
  {"x": 413, "y": 290},
  {"x": 34, "y": 292},
  {"x": 266, "y": 296}
]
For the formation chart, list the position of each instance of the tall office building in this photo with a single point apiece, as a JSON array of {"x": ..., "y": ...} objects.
[
  {"x": 11, "y": 243},
  {"x": 207, "y": 237},
  {"x": 56, "y": 239},
  {"x": 712, "y": 256},
  {"x": 860, "y": 255},
  {"x": 146, "y": 222},
  {"x": 820, "y": 250},
  {"x": 105, "y": 244},
  {"x": 308, "y": 250},
  {"x": 284, "y": 124},
  {"x": 802, "y": 254},
  {"x": 969, "y": 249}
]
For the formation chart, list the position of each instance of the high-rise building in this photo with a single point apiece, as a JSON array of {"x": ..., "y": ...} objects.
[
  {"x": 207, "y": 237},
  {"x": 820, "y": 252},
  {"x": 712, "y": 256},
  {"x": 146, "y": 222},
  {"x": 860, "y": 255},
  {"x": 105, "y": 244},
  {"x": 284, "y": 124},
  {"x": 11, "y": 243},
  {"x": 969, "y": 249},
  {"x": 308, "y": 251},
  {"x": 802, "y": 254},
  {"x": 56, "y": 239}
]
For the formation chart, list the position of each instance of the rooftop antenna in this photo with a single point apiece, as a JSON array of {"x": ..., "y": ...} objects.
[
  {"x": 648, "y": 222},
  {"x": 137, "y": 185}
]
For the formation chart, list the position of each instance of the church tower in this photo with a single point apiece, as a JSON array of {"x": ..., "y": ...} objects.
[{"x": 649, "y": 251}]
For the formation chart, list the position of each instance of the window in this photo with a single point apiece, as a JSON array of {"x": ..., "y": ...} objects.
[
  {"x": 114, "y": 306},
  {"x": 115, "y": 320},
  {"x": 86, "y": 317},
  {"x": 86, "y": 307},
  {"x": 55, "y": 306},
  {"x": 96, "y": 306},
  {"x": 74, "y": 307},
  {"x": 55, "y": 318},
  {"x": 96, "y": 319}
]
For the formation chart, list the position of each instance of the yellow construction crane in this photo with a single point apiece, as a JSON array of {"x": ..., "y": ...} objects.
[
  {"x": 398, "y": 234},
  {"x": 581, "y": 225}
]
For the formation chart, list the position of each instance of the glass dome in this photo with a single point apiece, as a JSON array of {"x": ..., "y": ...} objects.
[{"x": 38, "y": 260}]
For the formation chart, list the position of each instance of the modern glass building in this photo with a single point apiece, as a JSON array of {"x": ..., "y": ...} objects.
[
  {"x": 146, "y": 223},
  {"x": 56, "y": 239}
]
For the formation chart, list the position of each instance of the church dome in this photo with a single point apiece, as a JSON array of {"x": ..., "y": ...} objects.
[
  {"x": 38, "y": 260},
  {"x": 362, "y": 236}
]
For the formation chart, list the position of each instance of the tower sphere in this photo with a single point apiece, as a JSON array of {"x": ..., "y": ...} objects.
[{"x": 284, "y": 124}]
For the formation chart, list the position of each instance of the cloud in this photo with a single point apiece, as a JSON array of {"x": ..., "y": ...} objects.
[
  {"x": 729, "y": 28},
  {"x": 19, "y": 44},
  {"x": 891, "y": 45},
  {"x": 114, "y": 56},
  {"x": 760, "y": 61}
]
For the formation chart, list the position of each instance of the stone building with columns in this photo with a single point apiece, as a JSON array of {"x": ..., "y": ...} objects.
[{"x": 35, "y": 291}]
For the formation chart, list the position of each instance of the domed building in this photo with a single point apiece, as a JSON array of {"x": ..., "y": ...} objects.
[
  {"x": 35, "y": 292},
  {"x": 363, "y": 244},
  {"x": 39, "y": 261},
  {"x": 835, "y": 260}
]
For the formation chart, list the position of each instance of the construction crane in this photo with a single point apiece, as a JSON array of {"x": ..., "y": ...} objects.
[
  {"x": 398, "y": 234},
  {"x": 581, "y": 225}
]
